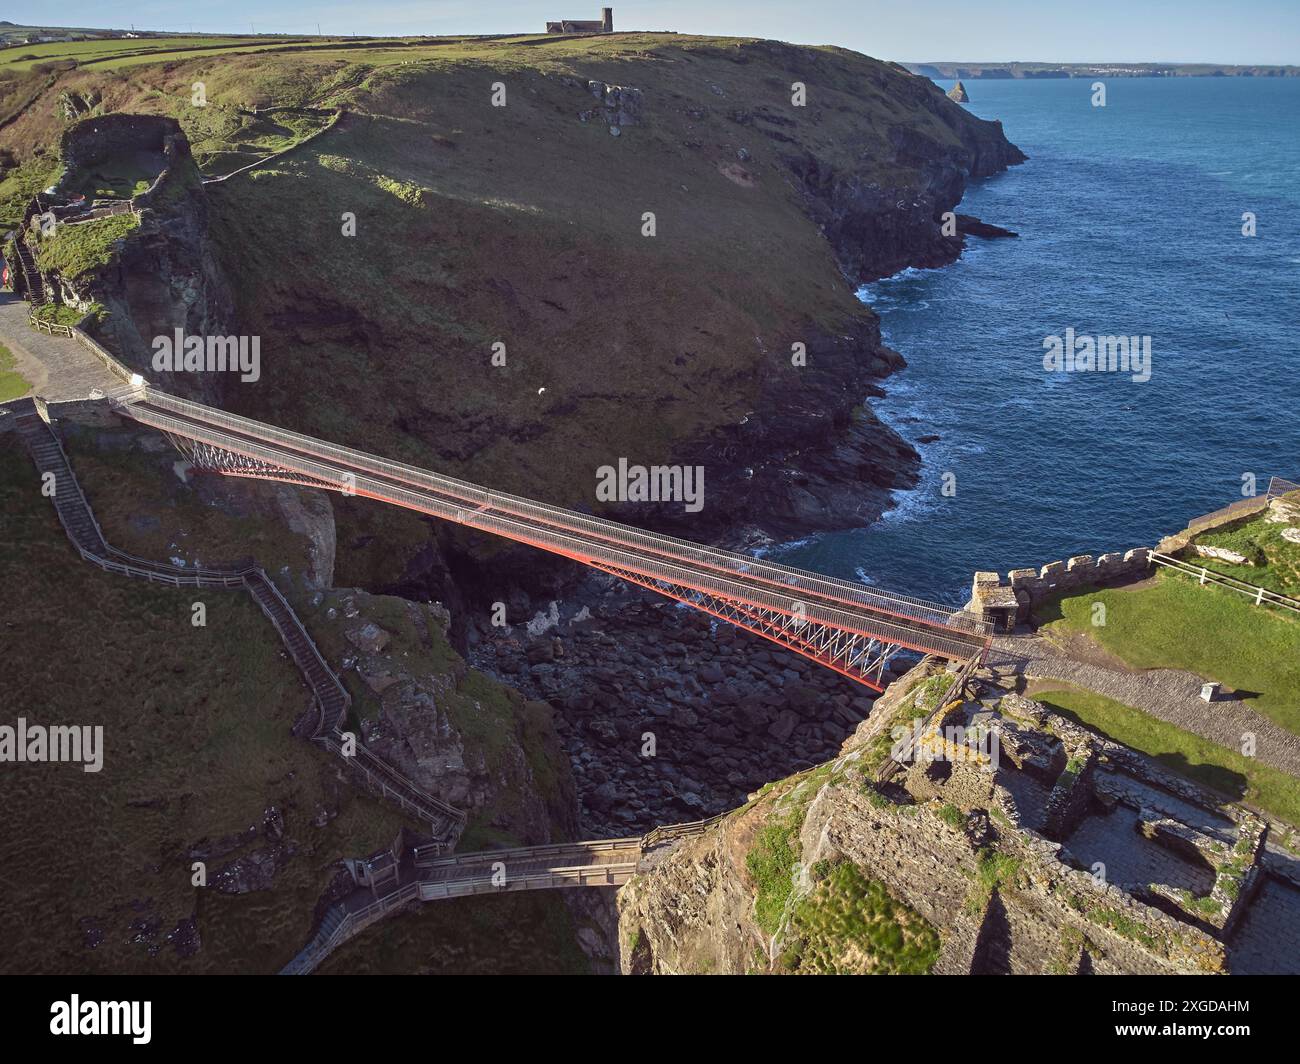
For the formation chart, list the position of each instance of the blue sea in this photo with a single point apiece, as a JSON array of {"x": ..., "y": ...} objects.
[{"x": 1130, "y": 223}]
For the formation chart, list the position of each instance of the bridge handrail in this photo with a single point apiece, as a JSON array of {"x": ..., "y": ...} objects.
[
  {"x": 334, "y": 682},
  {"x": 311, "y": 955},
  {"x": 466, "y": 860},
  {"x": 892, "y": 765},
  {"x": 391, "y": 780},
  {"x": 579, "y": 875},
  {"x": 949, "y": 642},
  {"x": 473, "y": 494},
  {"x": 666, "y": 832}
]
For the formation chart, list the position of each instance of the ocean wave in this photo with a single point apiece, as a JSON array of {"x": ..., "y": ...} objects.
[{"x": 775, "y": 548}]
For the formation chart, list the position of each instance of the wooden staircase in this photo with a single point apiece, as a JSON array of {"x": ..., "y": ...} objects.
[
  {"x": 445, "y": 821},
  {"x": 32, "y": 280}
]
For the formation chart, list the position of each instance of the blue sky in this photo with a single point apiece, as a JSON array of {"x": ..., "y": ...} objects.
[{"x": 1251, "y": 31}]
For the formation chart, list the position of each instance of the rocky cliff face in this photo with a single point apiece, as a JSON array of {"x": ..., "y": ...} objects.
[
  {"x": 481, "y": 747},
  {"x": 161, "y": 276},
  {"x": 774, "y": 173},
  {"x": 829, "y": 872},
  {"x": 880, "y": 227}
]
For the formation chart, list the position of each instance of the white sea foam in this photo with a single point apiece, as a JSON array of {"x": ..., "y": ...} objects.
[{"x": 792, "y": 544}]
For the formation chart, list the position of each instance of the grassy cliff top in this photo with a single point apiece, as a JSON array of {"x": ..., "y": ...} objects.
[{"x": 526, "y": 225}]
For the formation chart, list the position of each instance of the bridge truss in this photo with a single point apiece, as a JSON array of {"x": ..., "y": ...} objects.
[{"x": 848, "y": 627}]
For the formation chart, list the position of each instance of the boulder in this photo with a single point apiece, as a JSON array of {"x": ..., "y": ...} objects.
[{"x": 369, "y": 638}]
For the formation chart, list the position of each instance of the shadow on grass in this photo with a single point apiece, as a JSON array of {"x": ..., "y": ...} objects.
[
  {"x": 1049, "y": 609},
  {"x": 1230, "y": 784}
]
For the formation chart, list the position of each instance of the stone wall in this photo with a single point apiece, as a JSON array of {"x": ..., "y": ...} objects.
[
  {"x": 1029, "y": 587},
  {"x": 94, "y": 140}
]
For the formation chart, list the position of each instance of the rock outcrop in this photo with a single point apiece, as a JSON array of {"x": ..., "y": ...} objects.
[
  {"x": 161, "y": 276},
  {"x": 961, "y": 871},
  {"x": 958, "y": 93}
]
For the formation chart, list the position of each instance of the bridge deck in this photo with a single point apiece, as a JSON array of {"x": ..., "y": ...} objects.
[
  {"x": 604, "y": 863},
  {"x": 266, "y": 452}
]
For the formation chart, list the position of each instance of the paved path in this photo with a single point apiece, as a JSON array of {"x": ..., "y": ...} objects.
[
  {"x": 59, "y": 368},
  {"x": 1172, "y": 695}
]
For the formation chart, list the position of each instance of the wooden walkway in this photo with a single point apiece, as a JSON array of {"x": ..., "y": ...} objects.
[
  {"x": 445, "y": 822},
  {"x": 419, "y": 875},
  {"x": 422, "y": 872}
]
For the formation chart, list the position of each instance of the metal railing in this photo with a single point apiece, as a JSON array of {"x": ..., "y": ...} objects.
[
  {"x": 1262, "y": 596},
  {"x": 381, "y": 778},
  {"x": 386, "y": 782},
  {"x": 907, "y": 751},
  {"x": 673, "y": 832},
  {"x": 339, "y": 925},
  {"x": 594, "y": 875},
  {"x": 351, "y": 923},
  {"x": 923, "y": 636},
  {"x": 479, "y": 500},
  {"x": 516, "y": 853}
]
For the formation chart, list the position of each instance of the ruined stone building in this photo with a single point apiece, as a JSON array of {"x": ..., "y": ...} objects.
[{"x": 604, "y": 24}]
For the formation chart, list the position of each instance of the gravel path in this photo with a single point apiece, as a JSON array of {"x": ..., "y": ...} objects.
[
  {"x": 1169, "y": 694},
  {"x": 59, "y": 368}
]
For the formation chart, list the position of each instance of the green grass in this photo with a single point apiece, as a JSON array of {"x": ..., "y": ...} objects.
[
  {"x": 1122, "y": 924},
  {"x": 77, "y": 249},
  {"x": 934, "y": 688},
  {"x": 1174, "y": 623},
  {"x": 1181, "y": 751},
  {"x": 1275, "y": 562},
  {"x": 509, "y": 934},
  {"x": 22, "y": 182},
  {"x": 994, "y": 871},
  {"x": 851, "y": 924},
  {"x": 12, "y": 383},
  {"x": 197, "y": 746},
  {"x": 771, "y": 863},
  {"x": 59, "y": 314},
  {"x": 117, "y": 179}
]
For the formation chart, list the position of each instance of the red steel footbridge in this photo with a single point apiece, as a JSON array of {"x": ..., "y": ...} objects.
[{"x": 845, "y": 626}]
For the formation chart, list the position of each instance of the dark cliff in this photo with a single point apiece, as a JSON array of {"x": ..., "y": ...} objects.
[{"x": 651, "y": 226}]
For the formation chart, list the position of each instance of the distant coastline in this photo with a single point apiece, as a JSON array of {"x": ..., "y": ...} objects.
[{"x": 1005, "y": 71}]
